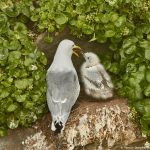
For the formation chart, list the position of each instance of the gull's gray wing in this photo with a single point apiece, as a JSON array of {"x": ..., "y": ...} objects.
[{"x": 62, "y": 89}]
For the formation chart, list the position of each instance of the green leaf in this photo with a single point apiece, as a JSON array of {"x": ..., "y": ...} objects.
[
  {"x": 144, "y": 44},
  {"x": 132, "y": 82},
  {"x": 130, "y": 49},
  {"x": 147, "y": 91},
  {"x": 3, "y": 18},
  {"x": 20, "y": 28},
  {"x": 114, "y": 16},
  {"x": 3, "y": 131},
  {"x": 12, "y": 107},
  {"x": 147, "y": 119},
  {"x": 142, "y": 68},
  {"x": 35, "y": 98},
  {"x": 51, "y": 29},
  {"x": 21, "y": 98},
  {"x": 105, "y": 18},
  {"x": 4, "y": 93},
  {"x": 148, "y": 36},
  {"x": 61, "y": 19},
  {"x": 26, "y": 11},
  {"x": 147, "y": 110},
  {"x": 148, "y": 75},
  {"x": 120, "y": 21},
  {"x": 43, "y": 59},
  {"x": 23, "y": 83},
  {"x": 134, "y": 93},
  {"x": 87, "y": 29},
  {"x": 146, "y": 28},
  {"x": 147, "y": 54},
  {"x": 129, "y": 41},
  {"x": 82, "y": 2},
  {"x": 101, "y": 38},
  {"x": 28, "y": 104},
  {"x": 131, "y": 67},
  {"x": 11, "y": 12},
  {"x": 139, "y": 107},
  {"x": 114, "y": 68},
  {"x": 28, "y": 61},
  {"x": 14, "y": 45},
  {"x": 109, "y": 33},
  {"x": 13, "y": 56},
  {"x": 138, "y": 76},
  {"x": 147, "y": 101},
  {"x": 34, "y": 18}
]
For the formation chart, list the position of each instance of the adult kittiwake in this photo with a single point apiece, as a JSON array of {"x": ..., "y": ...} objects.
[
  {"x": 62, "y": 84},
  {"x": 97, "y": 82}
]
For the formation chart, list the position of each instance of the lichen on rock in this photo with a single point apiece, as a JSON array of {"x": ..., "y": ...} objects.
[
  {"x": 36, "y": 141},
  {"x": 106, "y": 125}
]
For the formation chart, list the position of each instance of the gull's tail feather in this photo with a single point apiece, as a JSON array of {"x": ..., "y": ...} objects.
[
  {"x": 58, "y": 126},
  {"x": 60, "y": 117}
]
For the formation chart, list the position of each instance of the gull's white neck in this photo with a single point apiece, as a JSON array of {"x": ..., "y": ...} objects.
[{"x": 62, "y": 59}]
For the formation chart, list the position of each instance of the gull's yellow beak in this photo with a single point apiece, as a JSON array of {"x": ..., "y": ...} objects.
[{"x": 76, "y": 49}]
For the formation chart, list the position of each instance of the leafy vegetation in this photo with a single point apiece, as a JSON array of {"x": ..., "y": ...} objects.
[
  {"x": 125, "y": 24},
  {"x": 22, "y": 73}
]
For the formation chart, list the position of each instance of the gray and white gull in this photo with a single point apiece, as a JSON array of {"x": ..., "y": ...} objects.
[{"x": 62, "y": 85}]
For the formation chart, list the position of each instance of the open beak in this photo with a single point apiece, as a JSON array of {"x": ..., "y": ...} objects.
[{"x": 76, "y": 50}]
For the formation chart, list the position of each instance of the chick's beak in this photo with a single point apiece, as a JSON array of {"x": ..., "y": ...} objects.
[{"x": 76, "y": 50}]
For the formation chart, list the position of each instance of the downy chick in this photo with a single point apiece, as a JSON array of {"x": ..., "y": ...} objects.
[{"x": 97, "y": 82}]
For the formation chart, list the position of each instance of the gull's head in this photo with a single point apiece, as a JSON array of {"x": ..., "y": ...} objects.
[
  {"x": 91, "y": 59},
  {"x": 68, "y": 47}
]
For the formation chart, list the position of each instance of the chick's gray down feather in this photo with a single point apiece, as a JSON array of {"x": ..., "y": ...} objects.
[{"x": 97, "y": 82}]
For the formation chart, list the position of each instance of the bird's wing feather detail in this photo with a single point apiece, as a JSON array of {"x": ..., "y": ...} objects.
[
  {"x": 94, "y": 77},
  {"x": 107, "y": 80},
  {"x": 98, "y": 77}
]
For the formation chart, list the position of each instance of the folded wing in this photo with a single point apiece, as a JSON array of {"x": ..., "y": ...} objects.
[{"x": 62, "y": 92}]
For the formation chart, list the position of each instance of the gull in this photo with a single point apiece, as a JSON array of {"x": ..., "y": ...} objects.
[
  {"x": 97, "y": 82},
  {"x": 62, "y": 84}
]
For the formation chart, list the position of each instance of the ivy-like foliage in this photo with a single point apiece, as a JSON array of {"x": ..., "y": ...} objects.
[
  {"x": 126, "y": 25},
  {"x": 22, "y": 71}
]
